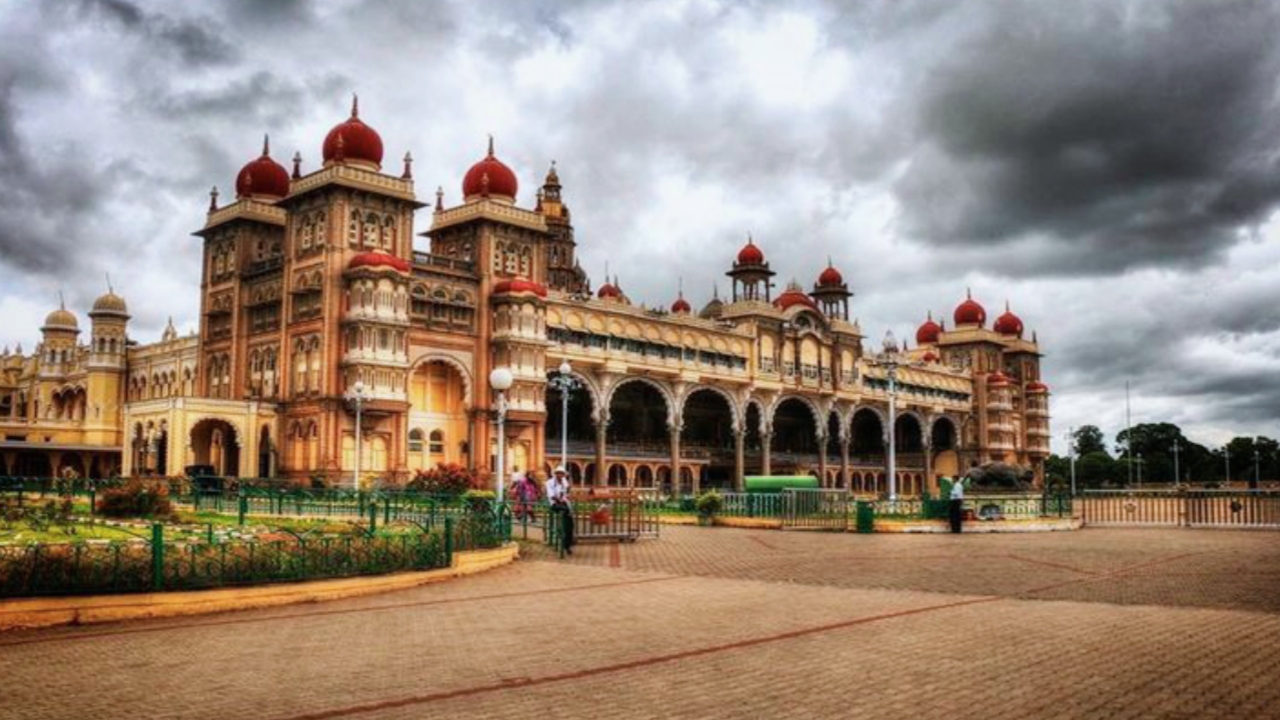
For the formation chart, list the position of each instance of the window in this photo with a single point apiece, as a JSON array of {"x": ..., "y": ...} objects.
[
  {"x": 437, "y": 442},
  {"x": 415, "y": 441}
]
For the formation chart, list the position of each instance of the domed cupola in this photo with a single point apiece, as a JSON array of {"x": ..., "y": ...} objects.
[
  {"x": 750, "y": 254},
  {"x": 830, "y": 277},
  {"x": 794, "y": 295},
  {"x": 376, "y": 260},
  {"x": 490, "y": 178},
  {"x": 681, "y": 306},
  {"x": 1008, "y": 323},
  {"x": 970, "y": 312},
  {"x": 519, "y": 286},
  {"x": 263, "y": 177},
  {"x": 61, "y": 319},
  {"x": 109, "y": 304},
  {"x": 609, "y": 291},
  {"x": 928, "y": 332},
  {"x": 353, "y": 142}
]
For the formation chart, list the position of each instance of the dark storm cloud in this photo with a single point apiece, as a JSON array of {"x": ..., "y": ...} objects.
[
  {"x": 193, "y": 40},
  {"x": 1132, "y": 133}
]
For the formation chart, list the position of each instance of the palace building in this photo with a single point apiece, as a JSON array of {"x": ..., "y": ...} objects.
[{"x": 311, "y": 282}]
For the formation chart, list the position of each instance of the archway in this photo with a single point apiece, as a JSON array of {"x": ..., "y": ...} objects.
[
  {"x": 868, "y": 436},
  {"x": 794, "y": 446},
  {"x": 753, "y": 458},
  {"x": 437, "y": 407},
  {"x": 214, "y": 443},
  {"x": 644, "y": 477},
  {"x": 908, "y": 437},
  {"x": 638, "y": 421},
  {"x": 708, "y": 434},
  {"x": 832, "y": 450},
  {"x": 265, "y": 451},
  {"x": 946, "y": 459}
]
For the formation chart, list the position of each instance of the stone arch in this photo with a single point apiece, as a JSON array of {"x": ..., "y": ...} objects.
[
  {"x": 662, "y": 388},
  {"x": 936, "y": 423},
  {"x": 735, "y": 411},
  {"x": 468, "y": 395},
  {"x": 819, "y": 421}
]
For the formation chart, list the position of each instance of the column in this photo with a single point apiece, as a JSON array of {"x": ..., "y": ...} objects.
[
  {"x": 844, "y": 463},
  {"x": 766, "y": 438},
  {"x": 602, "y": 429},
  {"x": 929, "y": 481},
  {"x": 739, "y": 460},
  {"x": 822, "y": 461},
  {"x": 675, "y": 455}
]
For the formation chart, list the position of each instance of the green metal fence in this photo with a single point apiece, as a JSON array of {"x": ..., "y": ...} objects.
[{"x": 152, "y": 563}]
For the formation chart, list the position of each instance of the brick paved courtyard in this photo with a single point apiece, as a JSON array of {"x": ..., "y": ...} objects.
[{"x": 723, "y": 623}]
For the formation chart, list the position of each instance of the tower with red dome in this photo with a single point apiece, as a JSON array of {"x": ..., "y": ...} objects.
[
  {"x": 832, "y": 293},
  {"x": 752, "y": 278}
]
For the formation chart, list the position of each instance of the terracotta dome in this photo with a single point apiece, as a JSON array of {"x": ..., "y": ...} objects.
[
  {"x": 519, "y": 285},
  {"x": 61, "y": 319},
  {"x": 930, "y": 357},
  {"x": 928, "y": 332},
  {"x": 830, "y": 277},
  {"x": 970, "y": 312},
  {"x": 750, "y": 254},
  {"x": 490, "y": 178},
  {"x": 1008, "y": 323},
  {"x": 608, "y": 290},
  {"x": 378, "y": 259},
  {"x": 109, "y": 304},
  {"x": 1036, "y": 386},
  {"x": 353, "y": 140},
  {"x": 263, "y": 176},
  {"x": 794, "y": 296},
  {"x": 681, "y": 306},
  {"x": 997, "y": 378}
]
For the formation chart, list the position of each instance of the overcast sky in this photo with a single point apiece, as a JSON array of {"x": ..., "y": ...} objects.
[{"x": 1108, "y": 167}]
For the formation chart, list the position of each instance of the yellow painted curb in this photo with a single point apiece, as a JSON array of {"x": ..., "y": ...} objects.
[{"x": 89, "y": 609}]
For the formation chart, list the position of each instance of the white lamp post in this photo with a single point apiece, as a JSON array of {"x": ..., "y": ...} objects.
[
  {"x": 1177, "y": 479},
  {"x": 1226, "y": 456},
  {"x": 889, "y": 358},
  {"x": 1071, "y": 454},
  {"x": 357, "y": 396},
  {"x": 565, "y": 383},
  {"x": 501, "y": 380}
]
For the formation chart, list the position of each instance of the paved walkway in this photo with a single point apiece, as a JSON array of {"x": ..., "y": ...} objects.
[{"x": 723, "y": 623}]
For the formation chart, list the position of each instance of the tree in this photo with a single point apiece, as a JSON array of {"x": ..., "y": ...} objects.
[
  {"x": 1089, "y": 439},
  {"x": 1245, "y": 466},
  {"x": 1097, "y": 469}
]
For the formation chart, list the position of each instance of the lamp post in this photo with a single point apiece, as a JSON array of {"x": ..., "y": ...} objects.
[
  {"x": 1139, "y": 471},
  {"x": 500, "y": 380},
  {"x": 1226, "y": 458},
  {"x": 358, "y": 396},
  {"x": 889, "y": 358},
  {"x": 565, "y": 382},
  {"x": 1071, "y": 455},
  {"x": 1257, "y": 470},
  {"x": 1177, "y": 479}
]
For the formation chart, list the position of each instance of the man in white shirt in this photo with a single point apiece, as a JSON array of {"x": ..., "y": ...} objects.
[
  {"x": 956, "y": 508},
  {"x": 561, "y": 507}
]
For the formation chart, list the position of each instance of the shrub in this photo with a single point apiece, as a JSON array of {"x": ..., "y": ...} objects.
[
  {"x": 709, "y": 503},
  {"x": 135, "y": 499},
  {"x": 445, "y": 479}
]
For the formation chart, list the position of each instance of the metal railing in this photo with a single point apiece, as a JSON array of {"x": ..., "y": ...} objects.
[{"x": 1181, "y": 508}]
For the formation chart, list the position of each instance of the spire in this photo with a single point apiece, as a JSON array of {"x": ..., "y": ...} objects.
[
  {"x": 297, "y": 165},
  {"x": 213, "y": 199},
  {"x": 266, "y": 145},
  {"x": 930, "y": 314},
  {"x": 1006, "y": 304},
  {"x": 355, "y": 105},
  {"x": 968, "y": 294},
  {"x": 408, "y": 166},
  {"x": 109, "y": 288},
  {"x": 62, "y": 302},
  {"x": 490, "y": 144},
  {"x": 439, "y": 198},
  {"x": 1034, "y": 339},
  {"x": 680, "y": 281},
  {"x": 715, "y": 291}
]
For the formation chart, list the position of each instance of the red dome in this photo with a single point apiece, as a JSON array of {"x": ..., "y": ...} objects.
[
  {"x": 930, "y": 357},
  {"x": 607, "y": 290},
  {"x": 794, "y": 296},
  {"x": 830, "y": 277},
  {"x": 1008, "y": 323},
  {"x": 970, "y": 312},
  {"x": 263, "y": 176},
  {"x": 681, "y": 306},
  {"x": 519, "y": 285},
  {"x": 490, "y": 177},
  {"x": 353, "y": 140},
  {"x": 1037, "y": 387},
  {"x": 750, "y": 254},
  {"x": 378, "y": 259},
  {"x": 928, "y": 332},
  {"x": 997, "y": 378}
]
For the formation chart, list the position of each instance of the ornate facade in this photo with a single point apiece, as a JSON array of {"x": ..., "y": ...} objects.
[{"x": 311, "y": 282}]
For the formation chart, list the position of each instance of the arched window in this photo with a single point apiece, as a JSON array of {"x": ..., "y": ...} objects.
[
  {"x": 415, "y": 440},
  {"x": 436, "y": 442}
]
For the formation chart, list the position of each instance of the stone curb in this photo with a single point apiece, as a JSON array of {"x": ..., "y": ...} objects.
[{"x": 91, "y": 609}]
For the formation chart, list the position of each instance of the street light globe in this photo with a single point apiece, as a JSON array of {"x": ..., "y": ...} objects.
[
  {"x": 501, "y": 379},
  {"x": 358, "y": 387},
  {"x": 564, "y": 368},
  {"x": 890, "y": 342}
]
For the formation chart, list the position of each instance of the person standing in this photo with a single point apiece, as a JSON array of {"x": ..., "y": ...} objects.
[
  {"x": 955, "y": 510},
  {"x": 561, "y": 506},
  {"x": 525, "y": 492}
]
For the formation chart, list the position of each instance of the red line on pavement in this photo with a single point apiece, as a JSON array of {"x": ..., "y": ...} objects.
[
  {"x": 761, "y": 541},
  {"x": 523, "y": 682},
  {"x": 1115, "y": 573},
  {"x": 322, "y": 613}
]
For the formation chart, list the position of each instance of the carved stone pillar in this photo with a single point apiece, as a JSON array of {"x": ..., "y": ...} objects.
[
  {"x": 844, "y": 463},
  {"x": 739, "y": 460},
  {"x": 766, "y": 439},
  {"x": 822, "y": 461},
  {"x": 675, "y": 456},
  {"x": 602, "y": 432}
]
